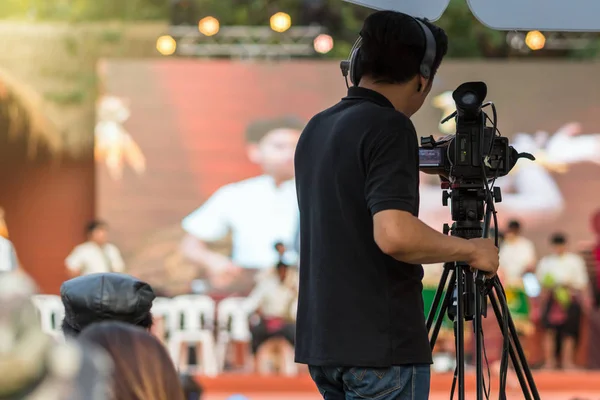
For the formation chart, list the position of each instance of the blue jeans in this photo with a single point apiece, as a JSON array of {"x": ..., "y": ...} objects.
[{"x": 408, "y": 382}]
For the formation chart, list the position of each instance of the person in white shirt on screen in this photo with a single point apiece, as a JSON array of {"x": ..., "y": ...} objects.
[
  {"x": 258, "y": 212},
  {"x": 96, "y": 254},
  {"x": 8, "y": 256},
  {"x": 517, "y": 255},
  {"x": 564, "y": 276}
]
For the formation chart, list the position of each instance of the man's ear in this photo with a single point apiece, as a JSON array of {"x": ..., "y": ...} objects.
[
  {"x": 423, "y": 84},
  {"x": 253, "y": 152}
]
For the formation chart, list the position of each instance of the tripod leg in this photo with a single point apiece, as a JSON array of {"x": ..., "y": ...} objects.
[
  {"x": 513, "y": 356},
  {"x": 459, "y": 323},
  {"x": 438, "y": 296},
  {"x": 518, "y": 347},
  {"x": 478, "y": 341},
  {"x": 441, "y": 315}
]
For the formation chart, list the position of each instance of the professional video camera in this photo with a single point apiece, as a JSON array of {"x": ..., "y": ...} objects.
[
  {"x": 476, "y": 151},
  {"x": 469, "y": 163}
]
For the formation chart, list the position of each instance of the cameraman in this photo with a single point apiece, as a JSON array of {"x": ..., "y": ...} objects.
[{"x": 360, "y": 324}]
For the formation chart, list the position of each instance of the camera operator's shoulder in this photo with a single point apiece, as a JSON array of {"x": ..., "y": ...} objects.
[{"x": 393, "y": 122}]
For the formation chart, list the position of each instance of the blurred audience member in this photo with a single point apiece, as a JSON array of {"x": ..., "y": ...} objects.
[
  {"x": 592, "y": 257},
  {"x": 564, "y": 278},
  {"x": 3, "y": 226},
  {"x": 8, "y": 256},
  {"x": 274, "y": 300},
  {"x": 32, "y": 365},
  {"x": 96, "y": 254},
  {"x": 281, "y": 250},
  {"x": 191, "y": 389},
  {"x": 105, "y": 297},
  {"x": 257, "y": 212},
  {"x": 143, "y": 369},
  {"x": 517, "y": 255}
]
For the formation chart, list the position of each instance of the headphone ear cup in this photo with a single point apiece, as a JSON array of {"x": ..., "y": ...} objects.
[{"x": 355, "y": 72}]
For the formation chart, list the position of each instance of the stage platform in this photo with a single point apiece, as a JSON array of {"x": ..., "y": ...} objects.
[{"x": 580, "y": 385}]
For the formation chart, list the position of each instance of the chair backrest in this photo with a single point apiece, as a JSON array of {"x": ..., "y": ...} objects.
[
  {"x": 191, "y": 313},
  {"x": 52, "y": 311},
  {"x": 161, "y": 307},
  {"x": 231, "y": 311}
]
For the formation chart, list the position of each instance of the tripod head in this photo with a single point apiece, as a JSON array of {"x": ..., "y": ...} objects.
[{"x": 467, "y": 205}]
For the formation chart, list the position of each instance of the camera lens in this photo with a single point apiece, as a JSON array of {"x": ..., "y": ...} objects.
[{"x": 469, "y": 99}]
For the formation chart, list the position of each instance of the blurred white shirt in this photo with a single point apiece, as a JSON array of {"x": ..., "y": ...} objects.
[
  {"x": 258, "y": 213},
  {"x": 274, "y": 298},
  {"x": 567, "y": 269},
  {"x": 515, "y": 257},
  {"x": 90, "y": 258},
  {"x": 8, "y": 256}
]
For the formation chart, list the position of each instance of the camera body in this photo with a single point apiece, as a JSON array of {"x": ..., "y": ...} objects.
[
  {"x": 475, "y": 152},
  {"x": 460, "y": 156}
]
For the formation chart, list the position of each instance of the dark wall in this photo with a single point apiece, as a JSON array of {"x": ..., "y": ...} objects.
[{"x": 47, "y": 201}]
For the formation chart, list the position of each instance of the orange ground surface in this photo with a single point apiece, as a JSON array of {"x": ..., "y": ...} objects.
[{"x": 551, "y": 385}]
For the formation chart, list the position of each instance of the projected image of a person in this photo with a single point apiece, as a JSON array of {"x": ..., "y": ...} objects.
[
  {"x": 360, "y": 320},
  {"x": 257, "y": 212}
]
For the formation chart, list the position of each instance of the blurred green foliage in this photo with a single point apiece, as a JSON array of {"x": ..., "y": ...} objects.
[{"x": 468, "y": 37}]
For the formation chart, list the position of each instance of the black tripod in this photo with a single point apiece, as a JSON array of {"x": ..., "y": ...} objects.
[{"x": 465, "y": 297}]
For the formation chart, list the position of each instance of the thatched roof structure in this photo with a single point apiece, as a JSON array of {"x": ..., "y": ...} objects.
[
  {"x": 22, "y": 112},
  {"x": 48, "y": 79}
]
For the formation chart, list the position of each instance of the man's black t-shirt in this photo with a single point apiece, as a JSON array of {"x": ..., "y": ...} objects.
[{"x": 357, "y": 305}]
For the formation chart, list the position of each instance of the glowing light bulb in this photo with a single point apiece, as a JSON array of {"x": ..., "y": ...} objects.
[
  {"x": 166, "y": 45},
  {"x": 535, "y": 40},
  {"x": 323, "y": 43},
  {"x": 209, "y": 26},
  {"x": 280, "y": 22}
]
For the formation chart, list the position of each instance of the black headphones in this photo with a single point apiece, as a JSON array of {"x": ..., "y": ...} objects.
[{"x": 350, "y": 66}]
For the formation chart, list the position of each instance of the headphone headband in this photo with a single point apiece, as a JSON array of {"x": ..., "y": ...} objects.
[{"x": 350, "y": 66}]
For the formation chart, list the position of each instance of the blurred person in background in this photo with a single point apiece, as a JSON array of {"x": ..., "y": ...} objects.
[
  {"x": 35, "y": 367},
  {"x": 8, "y": 256},
  {"x": 592, "y": 257},
  {"x": 281, "y": 250},
  {"x": 105, "y": 297},
  {"x": 3, "y": 226},
  {"x": 191, "y": 389},
  {"x": 96, "y": 254},
  {"x": 257, "y": 212},
  {"x": 142, "y": 369},
  {"x": 517, "y": 257},
  {"x": 591, "y": 254},
  {"x": 274, "y": 302},
  {"x": 564, "y": 278}
]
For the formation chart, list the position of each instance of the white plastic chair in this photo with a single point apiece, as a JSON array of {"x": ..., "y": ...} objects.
[
  {"x": 52, "y": 312},
  {"x": 198, "y": 313},
  {"x": 233, "y": 326},
  {"x": 161, "y": 312}
]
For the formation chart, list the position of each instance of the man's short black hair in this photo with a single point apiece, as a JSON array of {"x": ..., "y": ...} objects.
[
  {"x": 558, "y": 239},
  {"x": 514, "y": 225},
  {"x": 93, "y": 225},
  {"x": 277, "y": 244},
  {"x": 259, "y": 128},
  {"x": 393, "y": 45}
]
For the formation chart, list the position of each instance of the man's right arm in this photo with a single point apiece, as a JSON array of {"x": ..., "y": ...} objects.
[
  {"x": 74, "y": 262},
  {"x": 391, "y": 190},
  {"x": 208, "y": 223},
  {"x": 404, "y": 237}
]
